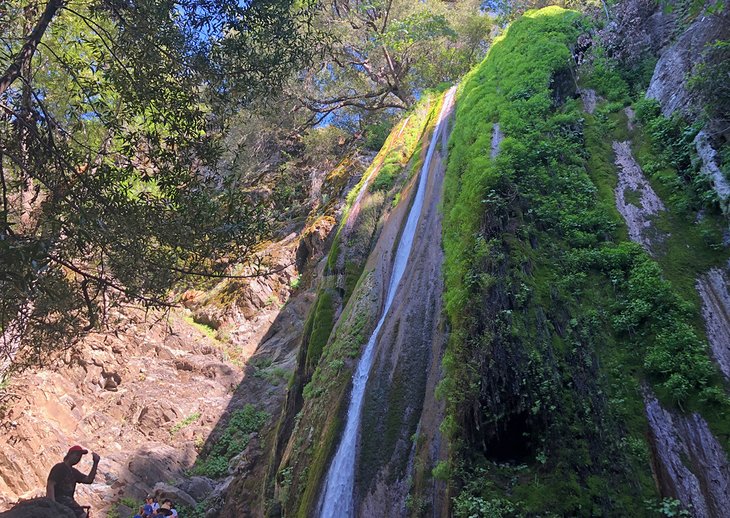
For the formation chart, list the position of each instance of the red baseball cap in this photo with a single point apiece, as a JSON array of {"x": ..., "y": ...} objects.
[{"x": 77, "y": 448}]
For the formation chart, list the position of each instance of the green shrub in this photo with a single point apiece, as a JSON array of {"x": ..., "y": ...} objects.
[
  {"x": 376, "y": 134},
  {"x": 386, "y": 177},
  {"x": 471, "y": 506},
  {"x": 232, "y": 441}
]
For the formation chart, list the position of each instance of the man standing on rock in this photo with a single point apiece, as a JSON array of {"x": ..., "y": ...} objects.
[{"x": 63, "y": 478}]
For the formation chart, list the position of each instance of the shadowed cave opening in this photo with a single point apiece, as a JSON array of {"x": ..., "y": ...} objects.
[{"x": 510, "y": 441}]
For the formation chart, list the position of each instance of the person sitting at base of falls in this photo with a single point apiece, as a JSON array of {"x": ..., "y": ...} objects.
[
  {"x": 169, "y": 506},
  {"x": 63, "y": 478},
  {"x": 165, "y": 509}
]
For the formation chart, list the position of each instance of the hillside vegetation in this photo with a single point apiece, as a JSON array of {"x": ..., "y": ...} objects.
[{"x": 559, "y": 324}]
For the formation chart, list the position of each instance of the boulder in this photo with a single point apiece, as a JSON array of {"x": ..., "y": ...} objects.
[
  {"x": 110, "y": 380},
  {"x": 39, "y": 508},
  {"x": 153, "y": 416},
  {"x": 183, "y": 364},
  {"x": 198, "y": 487},
  {"x": 208, "y": 316},
  {"x": 124, "y": 512},
  {"x": 153, "y": 463},
  {"x": 164, "y": 491},
  {"x": 677, "y": 62},
  {"x": 164, "y": 353}
]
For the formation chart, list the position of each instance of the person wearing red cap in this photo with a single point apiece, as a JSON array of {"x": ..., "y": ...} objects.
[{"x": 63, "y": 478}]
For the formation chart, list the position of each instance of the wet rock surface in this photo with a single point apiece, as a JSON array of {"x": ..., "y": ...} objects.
[
  {"x": 710, "y": 167},
  {"x": 399, "y": 400},
  {"x": 590, "y": 99},
  {"x": 689, "y": 463},
  {"x": 669, "y": 83},
  {"x": 713, "y": 290},
  {"x": 497, "y": 138},
  {"x": 636, "y": 200}
]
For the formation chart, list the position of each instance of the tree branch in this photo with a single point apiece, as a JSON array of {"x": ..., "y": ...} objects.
[{"x": 28, "y": 49}]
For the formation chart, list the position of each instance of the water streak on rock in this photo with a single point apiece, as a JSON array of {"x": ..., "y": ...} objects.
[
  {"x": 497, "y": 138},
  {"x": 337, "y": 497}
]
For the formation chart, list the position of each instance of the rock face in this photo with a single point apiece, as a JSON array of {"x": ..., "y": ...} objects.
[
  {"x": 154, "y": 392},
  {"x": 668, "y": 84},
  {"x": 590, "y": 100},
  {"x": 689, "y": 462},
  {"x": 710, "y": 167},
  {"x": 122, "y": 395},
  {"x": 636, "y": 200},
  {"x": 497, "y": 138},
  {"x": 713, "y": 290}
]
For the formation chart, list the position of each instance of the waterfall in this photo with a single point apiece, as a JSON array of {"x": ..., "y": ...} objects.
[{"x": 337, "y": 498}]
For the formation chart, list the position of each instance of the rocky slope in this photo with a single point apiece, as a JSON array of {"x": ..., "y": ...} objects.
[
  {"x": 147, "y": 395},
  {"x": 157, "y": 390},
  {"x": 125, "y": 395}
]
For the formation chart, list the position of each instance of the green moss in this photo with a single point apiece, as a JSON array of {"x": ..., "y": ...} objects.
[
  {"x": 318, "y": 327},
  {"x": 544, "y": 289},
  {"x": 519, "y": 297},
  {"x": 317, "y": 468}
]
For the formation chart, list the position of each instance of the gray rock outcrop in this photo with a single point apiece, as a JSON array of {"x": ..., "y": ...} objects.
[
  {"x": 688, "y": 461},
  {"x": 713, "y": 290},
  {"x": 163, "y": 491},
  {"x": 636, "y": 200},
  {"x": 198, "y": 487},
  {"x": 669, "y": 82},
  {"x": 710, "y": 167}
]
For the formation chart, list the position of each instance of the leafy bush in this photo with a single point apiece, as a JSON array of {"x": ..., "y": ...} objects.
[
  {"x": 605, "y": 78},
  {"x": 386, "y": 177},
  {"x": 649, "y": 312},
  {"x": 672, "y": 145},
  {"x": 709, "y": 80},
  {"x": 470, "y": 506},
  {"x": 232, "y": 441},
  {"x": 376, "y": 134},
  {"x": 669, "y": 507}
]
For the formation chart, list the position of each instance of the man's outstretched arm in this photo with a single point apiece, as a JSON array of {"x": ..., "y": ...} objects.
[{"x": 88, "y": 479}]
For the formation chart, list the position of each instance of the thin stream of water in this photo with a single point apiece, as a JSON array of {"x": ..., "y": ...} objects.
[{"x": 337, "y": 498}]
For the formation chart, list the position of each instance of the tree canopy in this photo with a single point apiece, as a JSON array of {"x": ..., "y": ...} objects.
[
  {"x": 111, "y": 117},
  {"x": 380, "y": 54}
]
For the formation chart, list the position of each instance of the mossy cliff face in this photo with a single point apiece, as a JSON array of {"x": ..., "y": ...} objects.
[
  {"x": 559, "y": 324},
  {"x": 576, "y": 358},
  {"x": 345, "y": 312}
]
